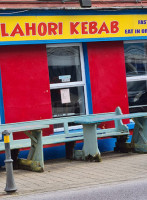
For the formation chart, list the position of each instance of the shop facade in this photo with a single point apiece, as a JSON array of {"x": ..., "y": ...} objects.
[{"x": 60, "y": 63}]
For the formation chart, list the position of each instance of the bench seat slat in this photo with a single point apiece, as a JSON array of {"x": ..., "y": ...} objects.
[
  {"x": 99, "y": 119},
  {"x": 23, "y": 128}
]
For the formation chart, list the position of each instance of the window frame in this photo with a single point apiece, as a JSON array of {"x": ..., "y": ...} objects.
[
  {"x": 81, "y": 83},
  {"x": 138, "y": 77}
]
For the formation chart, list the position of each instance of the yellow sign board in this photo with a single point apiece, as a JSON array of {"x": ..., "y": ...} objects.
[{"x": 71, "y": 27}]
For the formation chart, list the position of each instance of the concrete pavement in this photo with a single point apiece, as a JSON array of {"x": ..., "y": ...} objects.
[
  {"x": 126, "y": 190},
  {"x": 62, "y": 174}
]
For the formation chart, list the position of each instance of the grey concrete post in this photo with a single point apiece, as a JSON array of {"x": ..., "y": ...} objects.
[{"x": 10, "y": 184}]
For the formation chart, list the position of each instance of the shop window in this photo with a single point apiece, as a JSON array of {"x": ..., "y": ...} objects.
[
  {"x": 136, "y": 72},
  {"x": 67, "y": 80}
]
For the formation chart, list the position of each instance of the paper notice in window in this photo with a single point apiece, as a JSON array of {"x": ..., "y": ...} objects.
[
  {"x": 65, "y": 78},
  {"x": 65, "y": 96}
]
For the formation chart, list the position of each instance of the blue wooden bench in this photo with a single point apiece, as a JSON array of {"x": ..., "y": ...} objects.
[
  {"x": 33, "y": 131},
  {"x": 35, "y": 160},
  {"x": 90, "y": 148}
]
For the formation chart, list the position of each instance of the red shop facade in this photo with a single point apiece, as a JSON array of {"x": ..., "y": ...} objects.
[{"x": 89, "y": 72}]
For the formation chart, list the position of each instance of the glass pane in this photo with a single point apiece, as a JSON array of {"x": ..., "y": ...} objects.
[
  {"x": 64, "y": 64},
  {"x": 137, "y": 93},
  {"x": 135, "y": 59},
  {"x": 68, "y": 101}
]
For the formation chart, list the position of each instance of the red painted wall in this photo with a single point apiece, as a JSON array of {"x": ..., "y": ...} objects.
[
  {"x": 108, "y": 77},
  {"x": 25, "y": 82}
]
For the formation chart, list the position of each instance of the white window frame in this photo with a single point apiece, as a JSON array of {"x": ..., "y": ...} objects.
[
  {"x": 136, "y": 78},
  {"x": 72, "y": 84}
]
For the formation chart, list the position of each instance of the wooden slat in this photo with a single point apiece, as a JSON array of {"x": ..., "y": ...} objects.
[
  {"x": 98, "y": 119},
  {"x": 19, "y": 128}
]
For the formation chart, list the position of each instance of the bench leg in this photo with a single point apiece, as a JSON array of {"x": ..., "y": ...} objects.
[
  {"x": 90, "y": 148},
  {"x": 14, "y": 155},
  {"x": 35, "y": 160},
  {"x": 69, "y": 147},
  {"x": 121, "y": 144},
  {"x": 139, "y": 138}
]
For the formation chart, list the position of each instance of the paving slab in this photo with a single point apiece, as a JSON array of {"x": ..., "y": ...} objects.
[{"x": 61, "y": 174}]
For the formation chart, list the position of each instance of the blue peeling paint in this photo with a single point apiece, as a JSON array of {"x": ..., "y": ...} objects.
[
  {"x": 88, "y": 85},
  {"x": 131, "y": 126}
]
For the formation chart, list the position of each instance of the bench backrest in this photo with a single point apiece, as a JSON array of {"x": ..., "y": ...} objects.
[{"x": 22, "y": 126}]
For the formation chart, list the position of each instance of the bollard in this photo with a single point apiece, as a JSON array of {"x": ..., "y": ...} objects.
[{"x": 10, "y": 184}]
